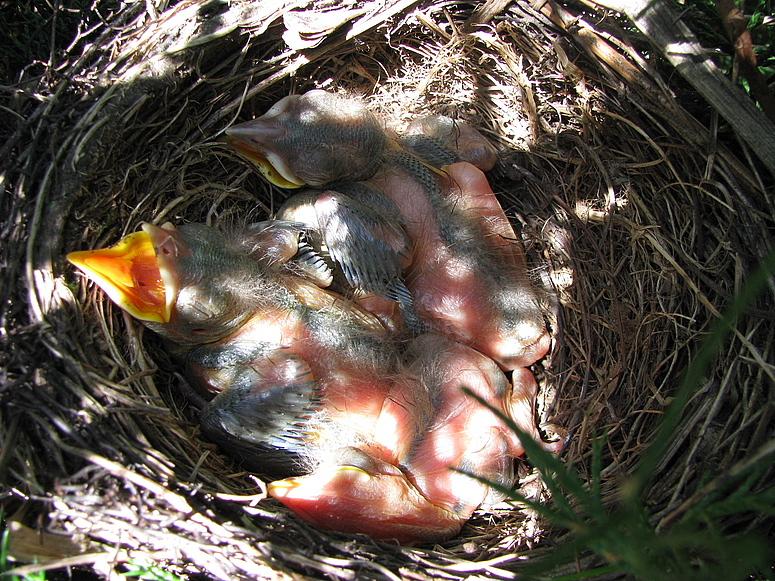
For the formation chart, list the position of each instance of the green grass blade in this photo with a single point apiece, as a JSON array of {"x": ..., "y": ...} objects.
[
  {"x": 697, "y": 369},
  {"x": 559, "y": 479}
]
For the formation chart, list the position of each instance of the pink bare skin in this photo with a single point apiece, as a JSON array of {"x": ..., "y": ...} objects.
[
  {"x": 468, "y": 273},
  {"x": 425, "y": 494},
  {"x": 308, "y": 383},
  {"x": 467, "y": 277}
]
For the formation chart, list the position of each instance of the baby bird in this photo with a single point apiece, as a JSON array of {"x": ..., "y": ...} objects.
[
  {"x": 467, "y": 276},
  {"x": 426, "y": 494},
  {"x": 311, "y": 389},
  {"x": 245, "y": 328},
  {"x": 440, "y": 141},
  {"x": 362, "y": 233},
  {"x": 314, "y": 139}
]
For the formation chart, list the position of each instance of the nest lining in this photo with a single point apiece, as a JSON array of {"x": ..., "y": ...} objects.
[{"x": 643, "y": 234}]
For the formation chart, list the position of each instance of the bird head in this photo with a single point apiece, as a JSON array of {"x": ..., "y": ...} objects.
[
  {"x": 184, "y": 283},
  {"x": 316, "y": 139}
]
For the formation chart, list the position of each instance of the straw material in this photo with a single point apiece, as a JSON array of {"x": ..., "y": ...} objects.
[{"x": 632, "y": 209}]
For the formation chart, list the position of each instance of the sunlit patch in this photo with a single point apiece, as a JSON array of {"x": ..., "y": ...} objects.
[
  {"x": 527, "y": 332},
  {"x": 562, "y": 277},
  {"x": 273, "y": 326},
  {"x": 594, "y": 214},
  {"x": 318, "y": 484},
  {"x": 390, "y": 430}
]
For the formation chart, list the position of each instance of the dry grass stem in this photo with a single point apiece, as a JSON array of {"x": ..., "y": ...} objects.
[{"x": 636, "y": 208}]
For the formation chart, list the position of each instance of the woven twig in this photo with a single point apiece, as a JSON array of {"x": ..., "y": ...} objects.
[{"x": 637, "y": 211}]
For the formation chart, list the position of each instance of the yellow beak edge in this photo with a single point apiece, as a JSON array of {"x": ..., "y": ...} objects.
[{"x": 129, "y": 274}]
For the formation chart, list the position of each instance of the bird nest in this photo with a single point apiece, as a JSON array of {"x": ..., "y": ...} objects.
[{"x": 631, "y": 208}]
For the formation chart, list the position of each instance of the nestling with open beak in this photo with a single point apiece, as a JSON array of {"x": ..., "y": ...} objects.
[
  {"x": 467, "y": 274},
  {"x": 311, "y": 389}
]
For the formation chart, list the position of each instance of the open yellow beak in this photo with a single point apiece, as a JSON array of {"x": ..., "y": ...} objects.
[
  {"x": 129, "y": 274},
  {"x": 258, "y": 159}
]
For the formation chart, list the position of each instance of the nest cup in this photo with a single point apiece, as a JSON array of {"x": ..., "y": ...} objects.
[{"x": 635, "y": 215}]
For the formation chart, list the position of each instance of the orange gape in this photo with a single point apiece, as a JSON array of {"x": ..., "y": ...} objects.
[{"x": 363, "y": 431}]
